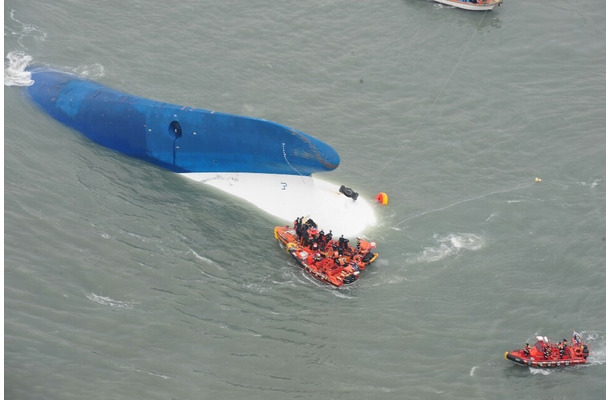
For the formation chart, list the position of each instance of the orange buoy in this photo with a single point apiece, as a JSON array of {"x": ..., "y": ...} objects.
[{"x": 382, "y": 198}]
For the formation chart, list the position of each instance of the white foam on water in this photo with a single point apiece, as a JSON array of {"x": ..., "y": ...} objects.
[
  {"x": 450, "y": 245},
  {"x": 597, "y": 347},
  {"x": 107, "y": 301},
  {"x": 16, "y": 63},
  {"x": 536, "y": 371},
  {"x": 93, "y": 71},
  {"x": 591, "y": 185},
  {"x": 14, "y": 69},
  {"x": 203, "y": 258}
]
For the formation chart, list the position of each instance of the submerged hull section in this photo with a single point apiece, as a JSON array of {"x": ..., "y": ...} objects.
[
  {"x": 285, "y": 196},
  {"x": 179, "y": 138}
]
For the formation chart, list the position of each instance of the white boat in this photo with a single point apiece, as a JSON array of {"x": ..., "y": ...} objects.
[{"x": 474, "y": 5}]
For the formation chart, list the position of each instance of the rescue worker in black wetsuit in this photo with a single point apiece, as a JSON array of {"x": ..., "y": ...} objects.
[
  {"x": 562, "y": 347},
  {"x": 304, "y": 237},
  {"x": 547, "y": 351},
  {"x": 321, "y": 239},
  {"x": 298, "y": 227},
  {"x": 329, "y": 238},
  {"x": 342, "y": 244},
  {"x": 526, "y": 350}
]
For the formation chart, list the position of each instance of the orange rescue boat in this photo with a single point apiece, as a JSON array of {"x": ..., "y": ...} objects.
[
  {"x": 330, "y": 261},
  {"x": 548, "y": 355}
]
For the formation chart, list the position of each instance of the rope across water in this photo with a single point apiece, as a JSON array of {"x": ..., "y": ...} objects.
[{"x": 400, "y": 148}]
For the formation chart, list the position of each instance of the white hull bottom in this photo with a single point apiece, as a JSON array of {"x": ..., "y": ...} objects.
[
  {"x": 467, "y": 5},
  {"x": 290, "y": 196}
]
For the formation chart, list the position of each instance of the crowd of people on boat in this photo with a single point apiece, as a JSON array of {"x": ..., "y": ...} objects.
[
  {"x": 560, "y": 346},
  {"x": 478, "y": 1},
  {"x": 321, "y": 244},
  {"x": 314, "y": 239}
]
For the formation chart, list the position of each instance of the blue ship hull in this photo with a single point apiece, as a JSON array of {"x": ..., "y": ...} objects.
[{"x": 179, "y": 138}]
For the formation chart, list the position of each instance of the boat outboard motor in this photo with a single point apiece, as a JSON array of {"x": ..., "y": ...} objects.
[{"x": 349, "y": 192}]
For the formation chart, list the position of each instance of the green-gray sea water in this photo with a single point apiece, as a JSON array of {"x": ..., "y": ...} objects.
[{"x": 125, "y": 281}]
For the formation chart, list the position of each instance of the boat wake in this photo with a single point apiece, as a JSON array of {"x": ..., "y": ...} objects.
[
  {"x": 597, "y": 346},
  {"x": 541, "y": 371}
]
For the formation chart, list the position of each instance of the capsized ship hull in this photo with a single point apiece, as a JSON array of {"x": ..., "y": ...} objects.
[
  {"x": 262, "y": 162},
  {"x": 285, "y": 196},
  {"x": 179, "y": 138}
]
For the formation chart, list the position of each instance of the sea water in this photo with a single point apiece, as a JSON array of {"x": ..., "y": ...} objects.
[{"x": 123, "y": 280}]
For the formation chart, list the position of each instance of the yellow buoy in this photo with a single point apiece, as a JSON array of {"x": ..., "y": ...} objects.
[
  {"x": 382, "y": 198},
  {"x": 537, "y": 180}
]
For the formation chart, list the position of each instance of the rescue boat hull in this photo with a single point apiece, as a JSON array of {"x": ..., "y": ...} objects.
[
  {"x": 519, "y": 358},
  {"x": 545, "y": 354},
  {"x": 480, "y": 5}
]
